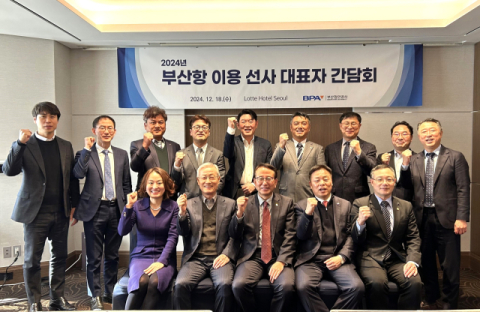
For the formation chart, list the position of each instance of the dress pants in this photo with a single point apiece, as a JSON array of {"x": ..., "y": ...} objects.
[
  {"x": 54, "y": 227},
  {"x": 438, "y": 240},
  {"x": 307, "y": 280},
  {"x": 193, "y": 272},
  {"x": 102, "y": 231}
]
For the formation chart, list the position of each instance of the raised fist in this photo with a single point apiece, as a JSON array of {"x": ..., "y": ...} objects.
[
  {"x": 406, "y": 155},
  {"x": 182, "y": 203},
  {"x": 241, "y": 205},
  {"x": 89, "y": 141},
  {"x": 232, "y": 122},
  {"x": 24, "y": 135},
  {"x": 179, "y": 158},
  {"x": 364, "y": 213},
  {"x": 386, "y": 158},
  {"x": 282, "y": 140},
  {"x": 131, "y": 199},
  {"x": 147, "y": 140},
  {"x": 355, "y": 144},
  {"x": 311, "y": 204}
]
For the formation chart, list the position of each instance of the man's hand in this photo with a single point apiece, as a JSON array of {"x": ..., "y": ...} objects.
[
  {"x": 179, "y": 158},
  {"x": 241, "y": 205},
  {"x": 311, "y": 204},
  {"x": 248, "y": 189},
  {"x": 73, "y": 221},
  {"x": 282, "y": 140},
  {"x": 147, "y": 140},
  {"x": 460, "y": 227},
  {"x": 410, "y": 269},
  {"x": 334, "y": 263},
  {"x": 275, "y": 271},
  {"x": 220, "y": 261},
  {"x": 131, "y": 199},
  {"x": 386, "y": 158},
  {"x": 154, "y": 267},
  {"x": 406, "y": 155},
  {"x": 182, "y": 204},
  {"x": 24, "y": 135},
  {"x": 364, "y": 213},
  {"x": 89, "y": 141},
  {"x": 232, "y": 122},
  {"x": 355, "y": 144}
]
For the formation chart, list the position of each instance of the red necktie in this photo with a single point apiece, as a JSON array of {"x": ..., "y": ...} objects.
[
  {"x": 325, "y": 203},
  {"x": 266, "y": 240}
]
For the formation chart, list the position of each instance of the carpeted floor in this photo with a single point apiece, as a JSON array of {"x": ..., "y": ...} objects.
[{"x": 76, "y": 292}]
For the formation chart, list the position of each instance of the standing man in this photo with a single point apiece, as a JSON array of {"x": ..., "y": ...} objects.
[
  {"x": 441, "y": 183},
  {"x": 325, "y": 246},
  {"x": 46, "y": 200},
  {"x": 189, "y": 159},
  {"x": 265, "y": 227},
  {"x": 107, "y": 183},
  {"x": 244, "y": 153},
  {"x": 295, "y": 157},
  {"x": 351, "y": 159},
  {"x": 399, "y": 159},
  {"x": 153, "y": 150},
  {"x": 388, "y": 241},
  {"x": 209, "y": 250}
]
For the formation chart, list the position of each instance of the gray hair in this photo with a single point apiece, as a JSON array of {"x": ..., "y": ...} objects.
[
  {"x": 380, "y": 167},
  {"x": 207, "y": 164},
  {"x": 430, "y": 120}
]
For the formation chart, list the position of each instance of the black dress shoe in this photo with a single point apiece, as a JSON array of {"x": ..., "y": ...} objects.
[
  {"x": 96, "y": 304},
  {"x": 107, "y": 298},
  {"x": 35, "y": 307},
  {"x": 60, "y": 304}
]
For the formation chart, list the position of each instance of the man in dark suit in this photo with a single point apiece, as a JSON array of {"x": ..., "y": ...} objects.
[
  {"x": 399, "y": 159},
  {"x": 388, "y": 241},
  {"x": 244, "y": 153},
  {"x": 189, "y": 159},
  {"x": 351, "y": 159},
  {"x": 107, "y": 183},
  {"x": 265, "y": 227},
  {"x": 208, "y": 249},
  {"x": 441, "y": 183},
  {"x": 325, "y": 246},
  {"x": 46, "y": 200},
  {"x": 153, "y": 150}
]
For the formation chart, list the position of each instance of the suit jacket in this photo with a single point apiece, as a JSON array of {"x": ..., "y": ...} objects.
[
  {"x": 88, "y": 166},
  {"x": 27, "y": 158},
  {"x": 373, "y": 242},
  {"x": 310, "y": 231},
  {"x": 404, "y": 187},
  {"x": 294, "y": 179},
  {"x": 451, "y": 188},
  {"x": 191, "y": 227},
  {"x": 186, "y": 178},
  {"x": 234, "y": 151},
  {"x": 282, "y": 228},
  {"x": 143, "y": 160},
  {"x": 351, "y": 183}
]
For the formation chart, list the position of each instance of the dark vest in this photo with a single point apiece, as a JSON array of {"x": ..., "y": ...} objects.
[
  {"x": 162, "y": 155},
  {"x": 329, "y": 238},
  {"x": 207, "y": 245}
]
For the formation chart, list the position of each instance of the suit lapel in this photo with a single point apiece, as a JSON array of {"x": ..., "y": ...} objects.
[
  {"x": 290, "y": 147},
  {"x": 306, "y": 152},
  {"x": 96, "y": 160},
  {"x": 392, "y": 162},
  {"x": 318, "y": 222},
  {"x": 190, "y": 151},
  {"x": 117, "y": 167},
  {"x": 377, "y": 211},
  {"x": 153, "y": 153},
  {"x": 219, "y": 216},
  {"x": 208, "y": 154},
  {"x": 274, "y": 212},
  {"x": 37, "y": 154},
  {"x": 197, "y": 214},
  {"x": 396, "y": 214},
  {"x": 338, "y": 155},
  {"x": 420, "y": 163},
  {"x": 336, "y": 217},
  {"x": 442, "y": 159},
  {"x": 255, "y": 210},
  {"x": 63, "y": 155},
  {"x": 241, "y": 148},
  {"x": 170, "y": 153}
]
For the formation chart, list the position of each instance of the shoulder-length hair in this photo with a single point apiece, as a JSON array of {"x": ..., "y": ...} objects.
[{"x": 167, "y": 183}]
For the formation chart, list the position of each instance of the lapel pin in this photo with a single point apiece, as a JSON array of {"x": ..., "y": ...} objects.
[
  {"x": 276, "y": 204},
  {"x": 124, "y": 214}
]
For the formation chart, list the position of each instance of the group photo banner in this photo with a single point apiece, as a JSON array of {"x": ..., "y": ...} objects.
[{"x": 387, "y": 75}]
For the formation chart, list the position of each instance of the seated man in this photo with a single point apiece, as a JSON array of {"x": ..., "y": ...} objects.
[
  {"x": 388, "y": 242},
  {"x": 325, "y": 246},
  {"x": 208, "y": 250},
  {"x": 265, "y": 227}
]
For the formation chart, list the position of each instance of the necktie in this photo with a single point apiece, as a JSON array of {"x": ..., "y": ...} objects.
[
  {"x": 386, "y": 215},
  {"x": 346, "y": 154},
  {"x": 266, "y": 240},
  {"x": 299, "y": 152},
  {"x": 429, "y": 181},
  {"x": 199, "y": 156},
  {"x": 325, "y": 203},
  {"x": 109, "y": 193}
]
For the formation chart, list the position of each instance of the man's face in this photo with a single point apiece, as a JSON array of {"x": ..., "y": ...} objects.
[
  {"x": 430, "y": 135},
  {"x": 265, "y": 182},
  {"x": 247, "y": 125},
  {"x": 104, "y": 131},
  {"x": 321, "y": 183},
  {"x": 401, "y": 137},
  {"x": 46, "y": 123},
  {"x": 208, "y": 181},
  {"x": 300, "y": 127},
  {"x": 157, "y": 126},
  {"x": 200, "y": 131},
  {"x": 350, "y": 128},
  {"x": 383, "y": 182}
]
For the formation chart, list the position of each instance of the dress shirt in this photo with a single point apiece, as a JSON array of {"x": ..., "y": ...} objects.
[
  {"x": 398, "y": 160},
  {"x": 295, "y": 143},
  {"x": 195, "y": 149},
  {"x": 159, "y": 143},
  {"x": 260, "y": 212},
  {"x": 209, "y": 207},
  {"x": 42, "y": 138},
  {"x": 101, "y": 155},
  {"x": 437, "y": 152},
  {"x": 247, "y": 175}
]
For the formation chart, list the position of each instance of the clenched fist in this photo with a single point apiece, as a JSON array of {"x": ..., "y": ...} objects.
[
  {"x": 179, "y": 158},
  {"x": 89, "y": 141},
  {"x": 406, "y": 155},
  {"x": 364, "y": 213},
  {"x": 182, "y": 204},
  {"x": 241, "y": 205},
  {"x": 131, "y": 199},
  {"x": 232, "y": 122},
  {"x": 311, "y": 204},
  {"x": 355, "y": 145},
  {"x": 24, "y": 135},
  {"x": 386, "y": 159},
  {"x": 147, "y": 140},
  {"x": 282, "y": 140}
]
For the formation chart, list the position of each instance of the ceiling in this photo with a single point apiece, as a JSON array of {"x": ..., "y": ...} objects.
[{"x": 126, "y": 23}]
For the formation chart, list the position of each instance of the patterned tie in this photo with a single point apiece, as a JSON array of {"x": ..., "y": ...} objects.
[
  {"x": 386, "y": 215},
  {"x": 346, "y": 154},
  {"x": 109, "y": 193},
  {"x": 199, "y": 156},
  {"x": 299, "y": 152},
  {"x": 429, "y": 180},
  {"x": 266, "y": 240}
]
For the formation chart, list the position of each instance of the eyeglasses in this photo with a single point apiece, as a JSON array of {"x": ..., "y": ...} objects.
[
  {"x": 204, "y": 128},
  {"x": 267, "y": 179},
  {"x": 403, "y": 134},
  {"x": 388, "y": 180},
  {"x": 205, "y": 178},
  {"x": 303, "y": 123},
  {"x": 429, "y": 131},
  {"x": 350, "y": 124},
  {"x": 103, "y": 128},
  {"x": 244, "y": 121}
]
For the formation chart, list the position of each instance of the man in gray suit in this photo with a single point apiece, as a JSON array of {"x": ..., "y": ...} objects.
[
  {"x": 46, "y": 200},
  {"x": 208, "y": 249},
  {"x": 325, "y": 247},
  {"x": 295, "y": 157},
  {"x": 107, "y": 183},
  {"x": 189, "y": 159}
]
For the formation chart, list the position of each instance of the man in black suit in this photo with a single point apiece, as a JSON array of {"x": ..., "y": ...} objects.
[
  {"x": 208, "y": 249},
  {"x": 388, "y": 243},
  {"x": 399, "y": 159},
  {"x": 325, "y": 246},
  {"x": 107, "y": 183},
  {"x": 441, "y": 183},
  {"x": 244, "y": 153},
  {"x": 265, "y": 227},
  {"x": 46, "y": 200},
  {"x": 153, "y": 150},
  {"x": 350, "y": 159}
]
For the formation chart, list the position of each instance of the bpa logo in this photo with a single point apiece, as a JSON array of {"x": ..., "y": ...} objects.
[{"x": 313, "y": 97}]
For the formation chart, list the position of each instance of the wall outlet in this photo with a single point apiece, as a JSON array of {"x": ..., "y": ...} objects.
[
  {"x": 7, "y": 252},
  {"x": 17, "y": 249}
]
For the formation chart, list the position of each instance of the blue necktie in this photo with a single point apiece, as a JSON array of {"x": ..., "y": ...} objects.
[
  {"x": 429, "y": 181},
  {"x": 346, "y": 154},
  {"x": 109, "y": 193}
]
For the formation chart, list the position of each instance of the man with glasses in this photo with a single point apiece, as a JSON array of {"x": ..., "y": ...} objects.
[
  {"x": 264, "y": 225},
  {"x": 350, "y": 159},
  {"x": 107, "y": 183},
  {"x": 388, "y": 244},
  {"x": 188, "y": 160},
  {"x": 244, "y": 152}
]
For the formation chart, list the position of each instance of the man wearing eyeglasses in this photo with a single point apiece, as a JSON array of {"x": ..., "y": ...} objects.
[
  {"x": 351, "y": 159},
  {"x": 244, "y": 152},
  {"x": 388, "y": 244},
  {"x": 107, "y": 183},
  {"x": 188, "y": 160},
  {"x": 265, "y": 227},
  {"x": 399, "y": 159}
]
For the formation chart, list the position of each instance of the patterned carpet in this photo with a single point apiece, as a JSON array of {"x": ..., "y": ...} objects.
[{"x": 76, "y": 292}]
